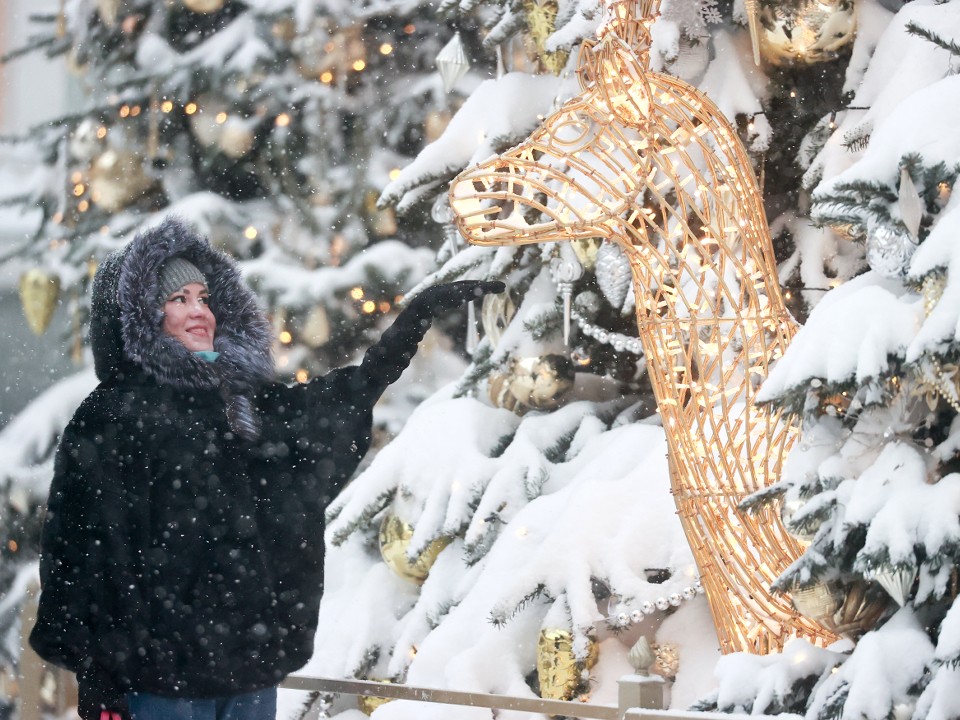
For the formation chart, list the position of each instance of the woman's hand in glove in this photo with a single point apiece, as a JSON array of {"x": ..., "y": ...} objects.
[
  {"x": 384, "y": 362},
  {"x": 434, "y": 300},
  {"x": 99, "y": 696}
]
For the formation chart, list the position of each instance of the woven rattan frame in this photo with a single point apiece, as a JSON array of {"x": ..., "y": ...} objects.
[{"x": 649, "y": 162}]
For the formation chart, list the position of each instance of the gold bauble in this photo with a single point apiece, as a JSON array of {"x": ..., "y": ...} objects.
[
  {"x": 435, "y": 123},
  {"x": 39, "y": 291},
  {"x": 541, "y": 24},
  {"x": 559, "y": 671},
  {"x": 325, "y": 50},
  {"x": 315, "y": 332},
  {"x": 203, "y": 122},
  {"x": 368, "y": 703},
  {"x": 284, "y": 29},
  {"x": 849, "y": 610},
  {"x": 108, "y": 10},
  {"x": 835, "y": 404},
  {"x": 395, "y": 536},
  {"x": 532, "y": 383},
  {"x": 383, "y": 221},
  {"x": 117, "y": 178},
  {"x": 805, "y": 32},
  {"x": 667, "y": 663},
  {"x": 203, "y": 6},
  {"x": 237, "y": 137}
]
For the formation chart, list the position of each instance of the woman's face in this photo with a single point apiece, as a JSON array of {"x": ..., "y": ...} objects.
[{"x": 187, "y": 317}]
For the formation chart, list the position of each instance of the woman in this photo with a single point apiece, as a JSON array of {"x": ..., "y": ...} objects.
[{"x": 182, "y": 552}]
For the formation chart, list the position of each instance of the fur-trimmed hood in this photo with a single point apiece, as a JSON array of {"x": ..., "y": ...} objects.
[{"x": 127, "y": 314}]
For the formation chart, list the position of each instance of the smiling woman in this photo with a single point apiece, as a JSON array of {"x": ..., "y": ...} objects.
[
  {"x": 187, "y": 317},
  {"x": 183, "y": 546}
]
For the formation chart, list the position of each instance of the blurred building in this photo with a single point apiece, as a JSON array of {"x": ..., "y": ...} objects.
[{"x": 32, "y": 90}]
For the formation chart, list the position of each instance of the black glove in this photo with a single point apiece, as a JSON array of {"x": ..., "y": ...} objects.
[
  {"x": 384, "y": 362},
  {"x": 98, "y": 693},
  {"x": 434, "y": 300}
]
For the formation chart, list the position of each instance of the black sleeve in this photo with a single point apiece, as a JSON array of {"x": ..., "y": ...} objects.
[{"x": 384, "y": 362}]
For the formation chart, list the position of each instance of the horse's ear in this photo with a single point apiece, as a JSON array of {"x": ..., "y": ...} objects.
[
  {"x": 587, "y": 64},
  {"x": 621, "y": 80}
]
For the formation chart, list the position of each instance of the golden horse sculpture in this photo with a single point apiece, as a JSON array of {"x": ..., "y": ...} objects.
[{"x": 647, "y": 161}]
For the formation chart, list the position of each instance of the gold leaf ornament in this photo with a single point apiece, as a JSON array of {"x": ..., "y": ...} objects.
[
  {"x": 394, "y": 539},
  {"x": 559, "y": 670},
  {"x": 368, "y": 703},
  {"x": 541, "y": 24},
  {"x": 39, "y": 292}
]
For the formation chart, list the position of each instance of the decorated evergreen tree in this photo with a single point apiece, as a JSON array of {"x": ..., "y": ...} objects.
[
  {"x": 510, "y": 498},
  {"x": 272, "y": 127}
]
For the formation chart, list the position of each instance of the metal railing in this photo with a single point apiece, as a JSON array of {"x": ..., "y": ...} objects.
[{"x": 640, "y": 697}]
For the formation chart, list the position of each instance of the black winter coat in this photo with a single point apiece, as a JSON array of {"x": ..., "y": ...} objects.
[{"x": 182, "y": 553}]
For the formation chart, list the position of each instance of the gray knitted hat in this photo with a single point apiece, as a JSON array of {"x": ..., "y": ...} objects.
[{"x": 177, "y": 272}]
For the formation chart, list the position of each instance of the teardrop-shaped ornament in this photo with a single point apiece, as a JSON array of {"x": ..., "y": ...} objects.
[
  {"x": 452, "y": 62},
  {"x": 613, "y": 273},
  {"x": 897, "y": 582}
]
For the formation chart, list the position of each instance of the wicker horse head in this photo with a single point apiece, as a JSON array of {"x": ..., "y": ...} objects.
[{"x": 648, "y": 162}]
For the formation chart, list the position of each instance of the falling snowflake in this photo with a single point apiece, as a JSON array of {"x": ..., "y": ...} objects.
[{"x": 709, "y": 12}]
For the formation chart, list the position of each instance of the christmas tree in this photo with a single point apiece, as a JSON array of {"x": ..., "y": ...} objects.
[
  {"x": 524, "y": 513},
  {"x": 270, "y": 126}
]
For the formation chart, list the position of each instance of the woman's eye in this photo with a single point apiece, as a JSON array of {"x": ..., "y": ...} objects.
[
  {"x": 178, "y": 298},
  {"x": 205, "y": 300}
]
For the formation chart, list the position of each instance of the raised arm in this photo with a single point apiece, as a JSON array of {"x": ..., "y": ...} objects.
[{"x": 384, "y": 362}]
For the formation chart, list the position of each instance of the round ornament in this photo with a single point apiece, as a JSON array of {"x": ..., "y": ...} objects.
[
  {"x": 237, "y": 138},
  {"x": 805, "y": 32},
  {"x": 316, "y": 328},
  {"x": 667, "y": 663},
  {"x": 394, "y": 539},
  {"x": 559, "y": 670},
  {"x": 788, "y": 509},
  {"x": 849, "y": 610},
  {"x": 117, "y": 178},
  {"x": 382, "y": 221},
  {"x": 84, "y": 143},
  {"x": 532, "y": 383},
  {"x": 435, "y": 123},
  {"x": 203, "y": 6},
  {"x": 203, "y": 123},
  {"x": 39, "y": 292},
  {"x": 889, "y": 250},
  {"x": 284, "y": 29}
]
